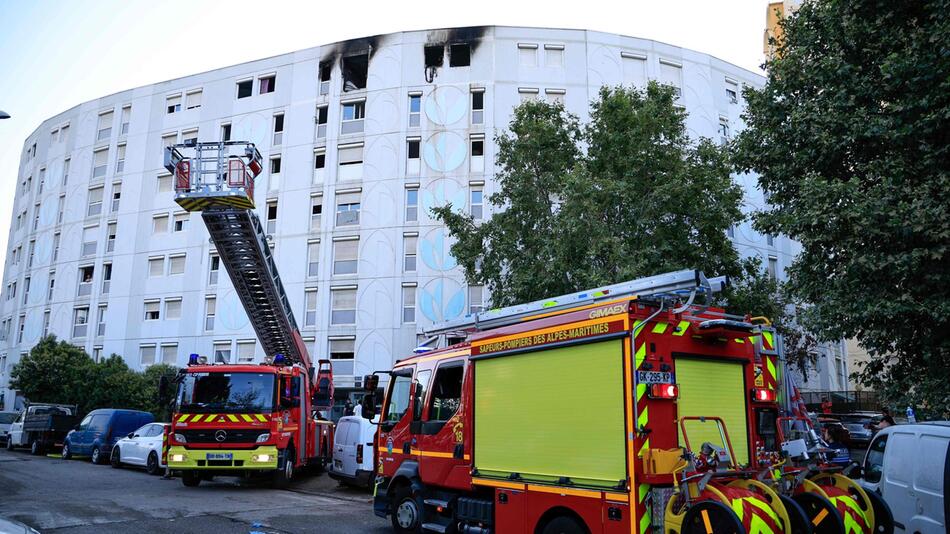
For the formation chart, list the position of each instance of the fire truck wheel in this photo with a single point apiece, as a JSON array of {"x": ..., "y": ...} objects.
[
  {"x": 190, "y": 478},
  {"x": 821, "y": 513},
  {"x": 711, "y": 517},
  {"x": 115, "y": 461},
  {"x": 285, "y": 474},
  {"x": 151, "y": 464},
  {"x": 796, "y": 515},
  {"x": 564, "y": 524},
  {"x": 883, "y": 518},
  {"x": 406, "y": 511}
]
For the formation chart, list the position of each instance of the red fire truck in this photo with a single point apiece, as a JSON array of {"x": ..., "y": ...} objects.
[
  {"x": 245, "y": 419},
  {"x": 622, "y": 409}
]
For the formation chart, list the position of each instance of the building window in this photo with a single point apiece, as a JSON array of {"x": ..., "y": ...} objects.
[
  {"x": 120, "y": 159},
  {"x": 89, "y": 240},
  {"x": 173, "y": 308},
  {"x": 214, "y": 266},
  {"x": 316, "y": 212},
  {"x": 412, "y": 205},
  {"x": 86, "y": 274},
  {"x": 731, "y": 231},
  {"x": 355, "y": 71},
  {"x": 189, "y": 137},
  {"x": 153, "y": 310},
  {"x": 164, "y": 183},
  {"x": 313, "y": 259},
  {"x": 323, "y": 76},
  {"x": 21, "y": 328},
  {"x": 477, "y": 163},
  {"x": 267, "y": 84},
  {"x": 322, "y": 122},
  {"x": 553, "y": 55},
  {"x": 275, "y": 165},
  {"x": 180, "y": 223},
  {"x": 160, "y": 224},
  {"x": 770, "y": 240},
  {"x": 55, "y": 246},
  {"x": 415, "y": 110},
  {"x": 278, "y": 128},
  {"x": 26, "y": 290},
  {"x": 95, "y": 202},
  {"x": 723, "y": 130},
  {"x": 170, "y": 353},
  {"x": 475, "y": 299},
  {"x": 30, "y": 254},
  {"x": 46, "y": 316},
  {"x": 226, "y": 132},
  {"x": 345, "y": 256},
  {"x": 100, "y": 158},
  {"x": 350, "y": 162},
  {"x": 126, "y": 117},
  {"x": 169, "y": 139},
  {"x": 671, "y": 73},
  {"x": 528, "y": 54},
  {"x": 245, "y": 351},
  {"x": 222, "y": 352},
  {"x": 52, "y": 284},
  {"x": 97, "y": 353},
  {"x": 66, "y": 171},
  {"x": 732, "y": 91},
  {"x": 409, "y": 304},
  {"x": 80, "y": 321},
  {"x": 478, "y": 107},
  {"x": 343, "y": 306},
  {"x": 460, "y": 55},
  {"x": 106, "y": 278},
  {"x": 342, "y": 355},
  {"x": 211, "y": 304},
  {"x": 555, "y": 96},
  {"x": 271, "y": 217},
  {"x": 156, "y": 266},
  {"x": 410, "y": 244},
  {"x": 176, "y": 264},
  {"x": 101, "y": 320},
  {"x": 193, "y": 99},
  {"x": 116, "y": 196},
  {"x": 352, "y": 119},
  {"x": 310, "y": 307},
  {"x": 147, "y": 354},
  {"x": 413, "y": 160},
  {"x": 244, "y": 88},
  {"x": 476, "y": 203},
  {"x": 348, "y": 209},
  {"x": 434, "y": 56},
  {"x": 773, "y": 267},
  {"x": 105, "y": 126},
  {"x": 173, "y": 104}
]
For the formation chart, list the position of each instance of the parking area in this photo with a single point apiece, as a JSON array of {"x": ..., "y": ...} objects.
[{"x": 75, "y": 496}]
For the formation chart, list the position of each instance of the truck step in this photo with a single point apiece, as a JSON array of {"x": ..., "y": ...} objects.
[
  {"x": 436, "y": 503},
  {"x": 434, "y": 527}
]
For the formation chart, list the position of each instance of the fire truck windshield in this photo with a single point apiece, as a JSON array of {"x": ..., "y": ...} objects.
[{"x": 227, "y": 393}]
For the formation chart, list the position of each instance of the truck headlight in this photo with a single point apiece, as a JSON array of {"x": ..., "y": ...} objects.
[
  {"x": 262, "y": 458},
  {"x": 176, "y": 458},
  {"x": 263, "y": 437},
  {"x": 180, "y": 438}
]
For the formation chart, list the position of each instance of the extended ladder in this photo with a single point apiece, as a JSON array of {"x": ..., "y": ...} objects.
[
  {"x": 219, "y": 182},
  {"x": 678, "y": 284}
]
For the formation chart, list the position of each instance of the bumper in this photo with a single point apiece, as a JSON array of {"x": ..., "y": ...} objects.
[
  {"x": 363, "y": 479},
  {"x": 260, "y": 458}
]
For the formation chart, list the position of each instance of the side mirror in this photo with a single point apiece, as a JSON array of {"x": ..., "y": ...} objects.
[
  {"x": 131, "y": 435},
  {"x": 368, "y": 406},
  {"x": 370, "y": 383}
]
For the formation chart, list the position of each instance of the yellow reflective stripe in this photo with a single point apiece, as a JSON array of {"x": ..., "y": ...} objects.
[
  {"x": 636, "y": 329},
  {"x": 737, "y": 508},
  {"x": 643, "y": 449},
  {"x": 645, "y": 520},
  {"x": 210, "y": 418},
  {"x": 659, "y": 328},
  {"x": 681, "y": 328},
  {"x": 767, "y": 336},
  {"x": 246, "y": 417},
  {"x": 761, "y": 505},
  {"x": 182, "y": 418},
  {"x": 261, "y": 418},
  {"x": 644, "y": 417},
  {"x": 233, "y": 418},
  {"x": 641, "y": 390},
  {"x": 757, "y": 525},
  {"x": 738, "y": 340}
]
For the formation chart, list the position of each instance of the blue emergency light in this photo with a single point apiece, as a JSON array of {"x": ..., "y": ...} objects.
[
  {"x": 279, "y": 359},
  {"x": 192, "y": 359}
]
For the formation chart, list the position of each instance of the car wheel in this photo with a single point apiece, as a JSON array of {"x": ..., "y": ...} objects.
[
  {"x": 9, "y": 444},
  {"x": 151, "y": 465},
  {"x": 115, "y": 460},
  {"x": 190, "y": 478},
  {"x": 66, "y": 454},
  {"x": 96, "y": 455},
  {"x": 35, "y": 448},
  {"x": 406, "y": 512}
]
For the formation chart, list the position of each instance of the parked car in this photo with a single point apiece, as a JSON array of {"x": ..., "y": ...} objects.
[
  {"x": 353, "y": 451},
  {"x": 6, "y": 420},
  {"x": 99, "y": 431},
  {"x": 909, "y": 466},
  {"x": 41, "y": 427},
  {"x": 861, "y": 427},
  {"x": 142, "y": 447}
]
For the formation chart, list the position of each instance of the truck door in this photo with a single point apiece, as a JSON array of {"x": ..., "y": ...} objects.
[
  {"x": 16, "y": 430},
  {"x": 442, "y": 432},
  {"x": 394, "y": 438}
]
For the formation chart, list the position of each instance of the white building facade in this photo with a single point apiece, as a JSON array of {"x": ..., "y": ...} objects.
[{"x": 361, "y": 139}]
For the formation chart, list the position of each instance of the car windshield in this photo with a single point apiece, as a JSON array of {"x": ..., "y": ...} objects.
[
  {"x": 7, "y": 418},
  {"x": 227, "y": 392}
]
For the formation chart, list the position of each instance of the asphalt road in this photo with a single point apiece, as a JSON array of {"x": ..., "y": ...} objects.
[{"x": 74, "y": 496}]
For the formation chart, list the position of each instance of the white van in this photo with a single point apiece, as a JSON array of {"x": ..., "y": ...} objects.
[
  {"x": 353, "y": 443},
  {"x": 909, "y": 465}
]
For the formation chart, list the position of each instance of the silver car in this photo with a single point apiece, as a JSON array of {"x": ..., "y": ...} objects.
[{"x": 6, "y": 419}]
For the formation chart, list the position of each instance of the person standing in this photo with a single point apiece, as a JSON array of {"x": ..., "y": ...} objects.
[
  {"x": 911, "y": 417},
  {"x": 826, "y": 405}
]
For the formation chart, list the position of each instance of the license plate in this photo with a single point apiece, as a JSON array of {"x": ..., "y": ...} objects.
[
  {"x": 654, "y": 377},
  {"x": 219, "y": 456}
]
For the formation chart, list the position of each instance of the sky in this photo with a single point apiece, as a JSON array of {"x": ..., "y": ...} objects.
[{"x": 57, "y": 54}]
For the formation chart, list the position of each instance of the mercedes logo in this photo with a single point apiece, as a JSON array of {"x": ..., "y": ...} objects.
[{"x": 220, "y": 436}]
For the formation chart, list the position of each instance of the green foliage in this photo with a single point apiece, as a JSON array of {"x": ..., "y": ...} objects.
[
  {"x": 641, "y": 199},
  {"x": 59, "y": 372},
  {"x": 849, "y": 136}
]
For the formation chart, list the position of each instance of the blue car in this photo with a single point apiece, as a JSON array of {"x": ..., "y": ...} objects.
[{"x": 99, "y": 431}]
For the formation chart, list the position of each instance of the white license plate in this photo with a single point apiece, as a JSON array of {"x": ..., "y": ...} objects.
[
  {"x": 654, "y": 377},
  {"x": 219, "y": 456}
]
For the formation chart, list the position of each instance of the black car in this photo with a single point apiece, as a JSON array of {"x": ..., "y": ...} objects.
[{"x": 861, "y": 427}]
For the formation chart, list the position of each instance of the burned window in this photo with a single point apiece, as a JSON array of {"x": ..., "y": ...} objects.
[
  {"x": 355, "y": 69},
  {"x": 326, "y": 67},
  {"x": 460, "y": 55},
  {"x": 434, "y": 55}
]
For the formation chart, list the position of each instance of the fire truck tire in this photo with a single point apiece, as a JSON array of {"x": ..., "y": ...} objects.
[
  {"x": 883, "y": 518},
  {"x": 151, "y": 464},
  {"x": 821, "y": 513},
  {"x": 285, "y": 473},
  {"x": 564, "y": 524},
  {"x": 406, "y": 511},
  {"x": 711, "y": 517},
  {"x": 798, "y": 520},
  {"x": 115, "y": 460},
  {"x": 190, "y": 479}
]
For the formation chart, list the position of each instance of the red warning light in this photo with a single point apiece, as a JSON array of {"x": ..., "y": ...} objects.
[
  {"x": 763, "y": 395},
  {"x": 664, "y": 391}
]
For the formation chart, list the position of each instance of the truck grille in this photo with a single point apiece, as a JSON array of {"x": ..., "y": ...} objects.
[{"x": 236, "y": 435}]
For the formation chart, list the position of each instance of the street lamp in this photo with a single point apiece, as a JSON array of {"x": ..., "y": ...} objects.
[{"x": 4, "y": 115}]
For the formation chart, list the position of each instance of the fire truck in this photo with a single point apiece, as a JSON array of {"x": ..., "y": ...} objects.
[
  {"x": 245, "y": 419},
  {"x": 628, "y": 408}
]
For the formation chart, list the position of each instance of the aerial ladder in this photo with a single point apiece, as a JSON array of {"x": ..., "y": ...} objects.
[{"x": 217, "y": 179}]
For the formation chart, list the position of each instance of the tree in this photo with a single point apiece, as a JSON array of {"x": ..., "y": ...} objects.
[
  {"x": 642, "y": 199},
  {"x": 53, "y": 371},
  {"x": 850, "y": 138}
]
